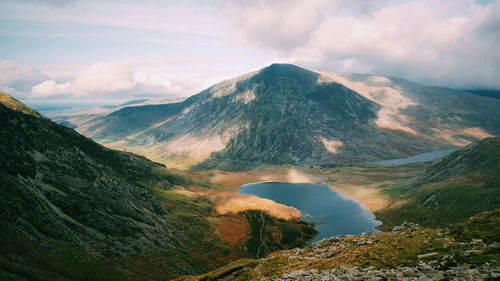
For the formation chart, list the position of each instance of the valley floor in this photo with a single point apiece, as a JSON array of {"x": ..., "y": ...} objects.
[{"x": 364, "y": 183}]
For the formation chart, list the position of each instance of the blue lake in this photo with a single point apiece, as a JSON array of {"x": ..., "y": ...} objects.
[
  {"x": 335, "y": 213},
  {"x": 422, "y": 157}
]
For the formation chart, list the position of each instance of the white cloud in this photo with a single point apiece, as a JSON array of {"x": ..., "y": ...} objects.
[
  {"x": 98, "y": 78},
  {"x": 291, "y": 22},
  {"x": 447, "y": 43},
  {"x": 19, "y": 79},
  {"x": 122, "y": 80}
]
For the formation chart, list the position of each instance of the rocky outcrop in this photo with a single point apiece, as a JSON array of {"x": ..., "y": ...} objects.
[{"x": 421, "y": 272}]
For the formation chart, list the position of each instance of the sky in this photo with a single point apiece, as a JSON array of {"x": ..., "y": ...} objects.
[{"x": 89, "y": 51}]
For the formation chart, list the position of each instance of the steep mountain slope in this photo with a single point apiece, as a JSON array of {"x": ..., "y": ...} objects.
[
  {"x": 66, "y": 197},
  {"x": 287, "y": 114},
  {"x": 451, "y": 189},
  {"x": 465, "y": 251},
  {"x": 72, "y": 209}
]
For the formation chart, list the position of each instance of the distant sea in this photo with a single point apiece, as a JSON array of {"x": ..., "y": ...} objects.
[{"x": 45, "y": 108}]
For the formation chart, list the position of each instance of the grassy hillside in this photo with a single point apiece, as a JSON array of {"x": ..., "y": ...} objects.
[{"x": 453, "y": 188}]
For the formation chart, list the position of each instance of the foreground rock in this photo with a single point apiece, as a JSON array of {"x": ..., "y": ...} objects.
[
  {"x": 465, "y": 251},
  {"x": 421, "y": 272}
]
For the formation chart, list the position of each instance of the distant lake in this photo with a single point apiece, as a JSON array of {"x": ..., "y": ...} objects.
[
  {"x": 422, "y": 157},
  {"x": 318, "y": 203}
]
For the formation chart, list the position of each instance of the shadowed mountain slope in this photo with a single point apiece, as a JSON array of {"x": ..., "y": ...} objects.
[{"x": 72, "y": 209}]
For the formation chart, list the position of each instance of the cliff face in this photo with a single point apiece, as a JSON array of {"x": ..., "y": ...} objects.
[{"x": 287, "y": 114}]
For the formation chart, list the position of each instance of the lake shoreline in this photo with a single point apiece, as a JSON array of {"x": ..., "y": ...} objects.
[{"x": 334, "y": 213}]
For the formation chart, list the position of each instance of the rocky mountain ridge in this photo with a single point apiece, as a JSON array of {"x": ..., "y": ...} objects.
[{"x": 287, "y": 114}]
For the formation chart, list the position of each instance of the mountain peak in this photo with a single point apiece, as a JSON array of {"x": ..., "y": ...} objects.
[
  {"x": 284, "y": 67},
  {"x": 16, "y": 105},
  {"x": 290, "y": 71}
]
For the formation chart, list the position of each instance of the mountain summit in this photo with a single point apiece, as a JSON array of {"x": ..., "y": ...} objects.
[{"x": 287, "y": 114}]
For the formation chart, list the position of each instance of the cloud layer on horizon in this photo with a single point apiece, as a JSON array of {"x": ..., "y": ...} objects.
[{"x": 104, "y": 80}]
